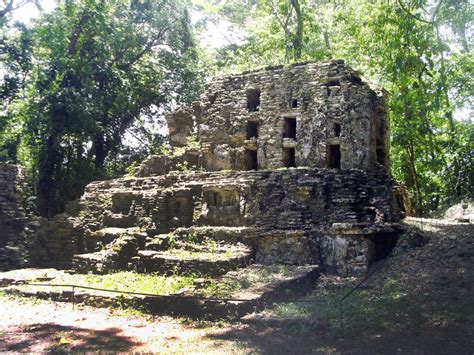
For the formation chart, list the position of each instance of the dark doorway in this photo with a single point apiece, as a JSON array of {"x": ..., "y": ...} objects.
[
  {"x": 334, "y": 156},
  {"x": 252, "y": 130},
  {"x": 251, "y": 162},
  {"x": 253, "y": 100},
  {"x": 289, "y": 157},
  {"x": 381, "y": 156},
  {"x": 289, "y": 128},
  {"x": 383, "y": 245}
]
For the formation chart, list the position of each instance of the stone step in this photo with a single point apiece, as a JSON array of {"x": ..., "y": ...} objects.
[
  {"x": 88, "y": 263},
  {"x": 231, "y": 296},
  {"x": 116, "y": 256},
  {"x": 181, "y": 261},
  {"x": 104, "y": 236}
]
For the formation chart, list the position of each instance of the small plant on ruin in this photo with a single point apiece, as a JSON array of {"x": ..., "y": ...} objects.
[{"x": 192, "y": 142}]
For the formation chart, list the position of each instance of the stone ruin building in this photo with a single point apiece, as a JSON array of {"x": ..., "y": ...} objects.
[{"x": 289, "y": 163}]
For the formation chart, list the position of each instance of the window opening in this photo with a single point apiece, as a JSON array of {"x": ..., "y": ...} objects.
[
  {"x": 212, "y": 98},
  {"x": 334, "y": 156},
  {"x": 253, "y": 100},
  {"x": 289, "y": 128},
  {"x": 333, "y": 82},
  {"x": 381, "y": 156},
  {"x": 305, "y": 104},
  {"x": 252, "y": 129},
  {"x": 216, "y": 199},
  {"x": 337, "y": 129},
  {"x": 294, "y": 103},
  {"x": 251, "y": 162},
  {"x": 289, "y": 160}
]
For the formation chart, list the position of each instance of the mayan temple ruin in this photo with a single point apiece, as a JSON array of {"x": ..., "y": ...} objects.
[{"x": 283, "y": 165}]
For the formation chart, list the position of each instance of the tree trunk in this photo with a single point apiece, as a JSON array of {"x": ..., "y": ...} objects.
[
  {"x": 298, "y": 36},
  {"x": 47, "y": 187},
  {"x": 100, "y": 153},
  {"x": 414, "y": 174}
]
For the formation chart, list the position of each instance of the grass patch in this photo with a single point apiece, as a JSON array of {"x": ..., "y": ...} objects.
[
  {"x": 130, "y": 282},
  {"x": 389, "y": 307},
  {"x": 252, "y": 277},
  {"x": 192, "y": 254}
]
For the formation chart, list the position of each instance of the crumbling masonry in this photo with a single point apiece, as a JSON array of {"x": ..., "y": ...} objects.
[{"x": 289, "y": 163}]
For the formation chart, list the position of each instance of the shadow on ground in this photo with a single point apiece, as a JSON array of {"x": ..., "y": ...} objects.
[
  {"x": 420, "y": 302},
  {"x": 283, "y": 339},
  {"x": 56, "y": 338}
]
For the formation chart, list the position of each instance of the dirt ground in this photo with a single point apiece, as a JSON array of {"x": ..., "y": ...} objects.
[{"x": 420, "y": 301}]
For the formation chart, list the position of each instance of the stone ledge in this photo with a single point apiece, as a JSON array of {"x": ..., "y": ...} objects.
[
  {"x": 298, "y": 282},
  {"x": 167, "y": 262}
]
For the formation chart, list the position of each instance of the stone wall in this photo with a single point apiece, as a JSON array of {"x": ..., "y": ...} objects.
[
  {"x": 295, "y": 216},
  {"x": 308, "y": 114},
  {"x": 282, "y": 199},
  {"x": 291, "y": 161},
  {"x": 26, "y": 239},
  {"x": 13, "y": 246},
  {"x": 53, "y": 241}
]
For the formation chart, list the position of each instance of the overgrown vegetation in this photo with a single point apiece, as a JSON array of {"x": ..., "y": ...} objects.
[
  {"x": 82, "y": 83},
  {"x": 419, "y": 51},
  {"x": 252, "y": 278},
  {"x": 130, "y": 282}
]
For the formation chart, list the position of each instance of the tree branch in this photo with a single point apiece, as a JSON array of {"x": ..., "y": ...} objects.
[
  {"x": 285, "y": 24},
  {"x": 400, "y": 3},
  {"x": 140, "y": 54},
  {"x": 10, "y": 6},
  {"x": 71, "y": 50}
]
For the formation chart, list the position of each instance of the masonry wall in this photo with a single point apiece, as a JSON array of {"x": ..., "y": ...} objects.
[
  {"x": 245, "y": 121},
  {"x": 334, "y": 206},
  {"x": 284, "y": 199},
  {"x": 13, "y": 249},
  {"x": 295, "y": 216}
]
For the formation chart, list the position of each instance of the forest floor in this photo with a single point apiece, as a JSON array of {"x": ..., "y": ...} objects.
[{"x": 419, "y": 301}]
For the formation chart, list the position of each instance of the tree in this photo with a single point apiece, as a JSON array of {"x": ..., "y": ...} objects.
[
  {"x": 15, "y": 64},
  {"x": 420, "y": 51},
  {"x": 9, "y": 6},
  {"x": 99, "y": 66}
]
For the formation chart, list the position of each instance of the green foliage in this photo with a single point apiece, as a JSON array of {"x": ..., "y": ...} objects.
[
  {"x": 230, "y": 285},
  {"x": 16, "y": 62},
  {"x": 131, "y": 282},
  {"x": 97, "y": 67},
  {"x": 84, "y": 89},
  {"x": 420, "y": 51}
]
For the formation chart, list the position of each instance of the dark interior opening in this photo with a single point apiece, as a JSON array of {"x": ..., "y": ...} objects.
[
  {"x": 251, "y": 162},
  {"x": 289, "y": 128},
  {"x": 252, "y": 130},
  {"x": 294, "y": 103},
  {"x": 333, "y": 82},
  {"x": 289, "y": 160},
  {"x": 381, "y": 156},
  {"x": 253, "y": 100},
  {"x": 334, "y": 156},
  {"x": 383, "y": 245},
  {"x": 337, "y": 129},
  {"x": 355, "y": 79},
  {"x": 213, "y": 98},
  {"x": 215, "y": 200}
]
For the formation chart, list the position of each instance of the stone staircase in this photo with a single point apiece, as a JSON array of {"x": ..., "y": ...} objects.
[{"x": 131, "y": 249}]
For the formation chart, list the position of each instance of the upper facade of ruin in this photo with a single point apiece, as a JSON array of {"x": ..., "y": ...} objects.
[{"x": 318, "y": 115}]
